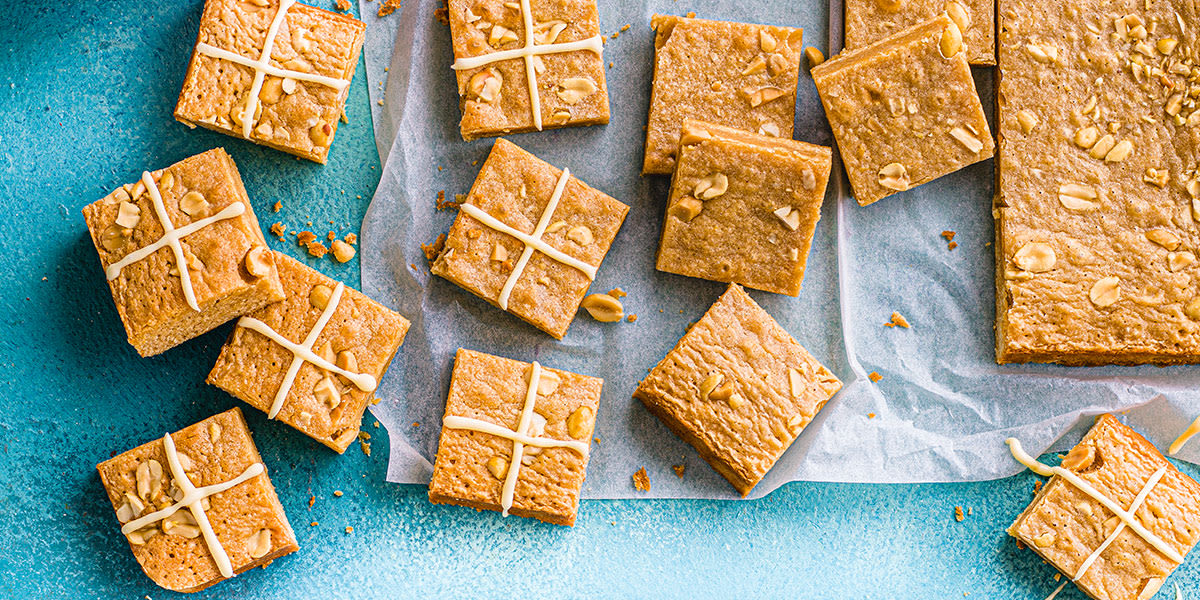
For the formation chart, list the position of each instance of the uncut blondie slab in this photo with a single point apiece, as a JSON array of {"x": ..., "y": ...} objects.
[
  {"x": 904, "y": 110},
  {"x": 292, "y": 100},
  {"x": 869, "y": 21},
  {"x": 515, "y": 438},
  {"x": 313, "y": 360},
  {"x": 196, "y": 506},
  {"x": 182, "y": 251},
  {"x": 529, "y": 238},
  {"x": 1115, "y": 517},
  {"x": 743, "y": 207},
  {"x": 738, "y": 388},
  {"x": 737, "y": 74},
  {"x": 527, "y": 65},
  {"x": 1096, "y": 197}
]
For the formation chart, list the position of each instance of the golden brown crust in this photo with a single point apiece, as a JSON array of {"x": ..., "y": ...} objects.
[
  {"x": 1065, "y": 526},
  {"x": 901, "y": 112},
  {"x": 251, "y": 366},
  {"x": 515, "y": 187},
  {"x": 310, "y": 40},
  {"x": 219, "y": 448},
  {"x": 717, "y": 71},
  {"x": 493, "y": 389},
  {"x": 780, "y": 385},
  {"x": 869, "y": 21},
  {"x": 739, "y": 234},
  {"x": 148, "y": 294},
  {"x": 507, "y": 108}
]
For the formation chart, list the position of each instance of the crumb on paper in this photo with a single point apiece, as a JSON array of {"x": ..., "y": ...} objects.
[
  {"x": 304, "y": 237},
  {"x": 970, "y": 511},
  {"x": 1037, "y": 487},
  {"x": 343, "y": 5},
  {"x": 641, "y": 481},
  {"x": 317, "y": 249},
  {"x": 331, "y": 236},
  {"x": 617, "y": 293},
  {"x": 958, "y": 514},
  {"x": 388, "y": 7},
  {"x": 277, "y": 206},
  {"x": 338, "y": 493},
  {"x": 596, "y": 439},
  {"x": 349, "y": 529},
  {"x": 313, "y": 524},
  {"x": 351, "y": 239},
  {"x": 312, "y": 499},
  {"x": 631, "y": 318},
  {"x": 898, "y": 320},
  {"x": 874, "y": 376},
  {"x": 951, "y": 245},
  {"x": 1020, "y": 544},
  {"x": 870, "y": 415},
  {"x": 443, "y": 204},
  {"x": 375, "y": 424},
  {"x": 416, "y": 424},
  {"x": 433, "y": 250},
  {"x": 366, "y": 447},
  {"x": 278, "y": 229},
  {"x": 949, "y": 235},
  {"x": 679, "y": 469}
]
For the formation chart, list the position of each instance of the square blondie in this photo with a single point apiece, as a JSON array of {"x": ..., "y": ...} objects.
[
  {"x": 738, "y": 388},
  {"x": 527, "y": 66},
  {"x": 1075, "y": 528},
  {"x": 529, "y": 238},
  {"x": 737, "y": 74},
  {"x": 182, "y": 251},
  {"x": 197, "y": 506},
  {"x": 293, "y": 100},
  {"x": 743, "y": 207},
  {"x": 904, "y": 110},
  {"x": 869, "y": 21},
  {"x": 313, "y": 360},
  {"x": 515, "y": 438}
]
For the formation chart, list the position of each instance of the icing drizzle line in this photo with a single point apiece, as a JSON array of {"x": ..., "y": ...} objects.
[
  {"x": 1128, "y": 518},
  {"x": 519, "y": 437},
  {"x": 192, "y": 497},
  {"x": 303, "y": 352},
  {"x": 528, "y": 52},
  {"x": 171, "y": 237},
  {"x": 533, "y": 241},
  {"x": 263, "y": 67},
  {"x": 1183, "y": 438}
]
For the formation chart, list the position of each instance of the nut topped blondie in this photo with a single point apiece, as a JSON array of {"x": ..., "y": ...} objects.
[
  {"x": 738, "y": 388},
  {"x": 527, "y": 65},
  {"x": 869, "y": 21},
  {"x": 737, "y": 74},
  {"x": 1115, "y": 517},
  {"x": 515, "y": 438},
  {"x": 275, "y": 72},
  {"x": 743, "y": 207},
  {"x": 904, "y": 110},
  {"x": 313, "y": 360},
  {"x": 196, "y": 506},
  {"x": 1096, "y": 198},
  {"x": 182, "y": 251},
  {"x": 529, "y": 238}
]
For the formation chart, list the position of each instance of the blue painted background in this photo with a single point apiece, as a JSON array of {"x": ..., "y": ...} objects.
[{"x": 86, "y": 94}]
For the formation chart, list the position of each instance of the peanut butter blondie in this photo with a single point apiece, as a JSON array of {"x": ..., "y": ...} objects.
[
  {"x": 904, "y": 110},
  {"x": 527, "y": 65},
  {"x": 1097, "y": 195},
  {"x": 529, "y": 238},
  {"x": 869, "y": 21},
  {"x": 515, "y": 438},
  {"x": 736, "y": 74},
  {"x": 196, "y": 506},
  {"x": 1115, "y": 517},
  {"x": 738, "y": 388},
  {"x": 182, "y": 251},
  {"x": 743, "y": 207},
  {"x": 275, "y": 72},
  {"x": 313, "y": 360}
]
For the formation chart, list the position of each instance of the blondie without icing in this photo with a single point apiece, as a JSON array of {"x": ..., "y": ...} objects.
[
  {"x": 515, "y": 438},
  {"x": 293, "y": 100},
  {"x": 869, "y": 21},
  {"x": 182, "y": 251}
]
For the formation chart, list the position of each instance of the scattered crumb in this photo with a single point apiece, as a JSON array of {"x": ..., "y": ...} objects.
[
  {"x": 311, "y": 501},
  {"x": 416, "y": 424},
  {"x": 970, "y": 511},
  {"x": 870, "y": 415},
  {"x": 331, "y": 236},
  {"x": 641, "y": 481},
  {"x": 364, "y": 436},
  {"x": 1037, "y": 487},
  {"x": 313, "y": 524},
  {"x": 949, "y": 235},
  {"x": 343, "y": 5},
  {"x": 351, "y": 238},
  {"x": 366, "y": 447},
  {"x": 342, "y": 252},
  {"x": 443, "y": 204},
  {"x": 278, "y": 229},
  {"x": 304, "y": 237},
  {"x": 1020, "y": 544},
  {"x": 433, "y": 250},
  {"x": 388, "y": 7},
  {"x": 898, "y": 320},
  {"x": 350, "y": 529},
  {"x": 375, "y": 424},
  {"x": 617, "y": 293},
  {"x": 317, "y": 249},
  {"x": 631, "y": 318},
  {"x": 337, "y": 493},
  {"x": 678, "y": 470},
  {"x": 874, "y": 377},
  {"x": 951, "y": 245},
  {"x": 596, "y": 439},
  {"x": 1058, "y": 576},
  {"x": 958, "y": 514},
  {"x": 814, "y": 56},
  {"x": 278, "y": 205}
]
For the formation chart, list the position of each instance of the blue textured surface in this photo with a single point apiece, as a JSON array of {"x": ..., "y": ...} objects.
[{"x": 86, "y": 93}]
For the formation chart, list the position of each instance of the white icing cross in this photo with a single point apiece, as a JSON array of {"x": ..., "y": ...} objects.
[
  {"x": 171, "y": 237},
  {"x": 528, "y": 52},
  {"x": 303, "y": 352},
  {"x": 191, "y": 500},
  {"x": 1128, "y": 517},
  {"x": 533, "y": 241},
  {"x": 520, "y": 438},
  {"x": 263, "y": 67}
]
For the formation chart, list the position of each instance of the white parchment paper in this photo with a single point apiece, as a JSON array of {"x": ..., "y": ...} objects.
[{"x": 942, "y": 408}]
